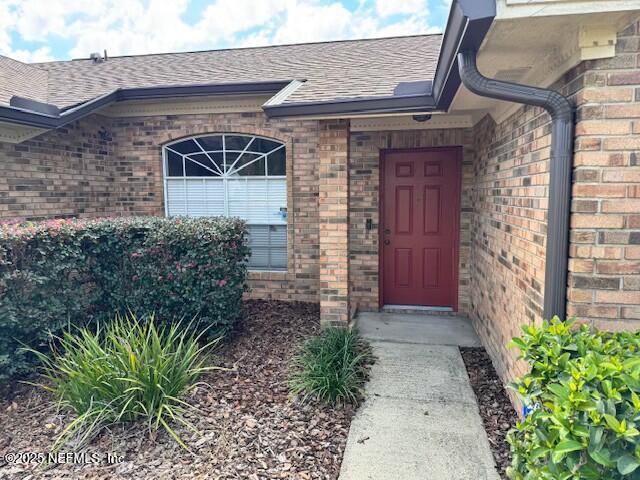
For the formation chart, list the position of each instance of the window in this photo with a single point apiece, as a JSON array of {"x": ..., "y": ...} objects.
[{"x": 237, "y": 176}]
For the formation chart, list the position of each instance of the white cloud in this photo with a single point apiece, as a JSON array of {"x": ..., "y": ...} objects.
[
  {"x": 42, "y": 54},
  {"x": 386, "y": 8},
  {"x": 311, "y": 23},
  {"x": 151, "y": 26}
]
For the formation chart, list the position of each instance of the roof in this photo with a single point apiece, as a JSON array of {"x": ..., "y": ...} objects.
[
  {"x": 332, "y": 70},
  {"x": 397, "y": 74},
  {"x": 23, "y": 79}
]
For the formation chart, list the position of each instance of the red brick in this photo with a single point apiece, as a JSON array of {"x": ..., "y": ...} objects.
[
  {"x": 599, "y": 190},
  {"x": 620, "y": 110},
  {"x": 579, "y": 220},
  {"x": 624, "y": 78},
  {"x": 617, "y": 268},
  {"x": 617, "y": 297},
  {"x": 603, "y": 127}
]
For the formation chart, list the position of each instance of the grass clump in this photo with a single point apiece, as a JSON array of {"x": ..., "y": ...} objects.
[
  {"x": 331, "y": 367},
  {"x": 130, "y": 370}
]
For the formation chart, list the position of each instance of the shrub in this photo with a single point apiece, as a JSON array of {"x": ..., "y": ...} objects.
[
  {"x": 585, "y": 387},
  {"x": 331, "y": 367},
  {"x": 62, "y": 272},
  {"x": 130, "y": 370}
]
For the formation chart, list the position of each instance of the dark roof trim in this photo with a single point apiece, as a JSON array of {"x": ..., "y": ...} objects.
[
  {"x": 406, "y": 103},
  {"x": 33, "y": 105},
  {"x": 467, "y": 25},
  {"x": 33, "y": 114}
]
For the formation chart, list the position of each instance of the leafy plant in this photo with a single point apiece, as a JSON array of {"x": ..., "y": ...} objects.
[
  {"x": 331, "y": 367},
  {"x": 131, "y": 370},
  {"x": 60, "y": 272},
  {"x": 586, "y": 384}
]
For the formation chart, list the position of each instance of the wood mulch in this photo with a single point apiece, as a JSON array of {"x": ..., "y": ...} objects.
[
  {"x": 497, "y": 412},
  {"x": 250, "y": 427}
]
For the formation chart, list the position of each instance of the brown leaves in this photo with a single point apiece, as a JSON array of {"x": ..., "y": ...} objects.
[
  {"x": 249, "y": 427},
  {"x": 498, "y": 415}
]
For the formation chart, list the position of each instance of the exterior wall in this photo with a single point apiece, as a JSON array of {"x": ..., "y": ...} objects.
[
  {"x": 364, "y": 167},
  {"x": 508, "y": 229},
  {"x": 334, "y": 222},
  {"x": 63, "y": 173},
  {"x": 604, "y": 284},
  {"x": 510, "y": 195},
  {"x": 112, "y": 166},
  {"x": 139, "y": 141}
]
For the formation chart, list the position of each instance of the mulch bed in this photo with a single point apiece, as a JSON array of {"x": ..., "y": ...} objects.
[
  {"x": 496, "y": 410},
  {"x": 251, "y": 428}
]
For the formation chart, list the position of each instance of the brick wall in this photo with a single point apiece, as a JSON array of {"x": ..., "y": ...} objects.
[
  {"x": 139, "y": 141},
  {"x": 508, "y": 229},
  {"x": 101, "y": 166},
  {"x": 364, "y": 185},
  {"x": 334, "y": 222},
  {"x": 604, "y": 283},
  {"x": 508, "y": 239},
  {"x": 65, "y": 172}
]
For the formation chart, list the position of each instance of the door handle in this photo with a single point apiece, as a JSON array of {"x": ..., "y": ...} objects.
[
  {"x": 387, "y": 231},
  {"x": 387, "y": 242}
]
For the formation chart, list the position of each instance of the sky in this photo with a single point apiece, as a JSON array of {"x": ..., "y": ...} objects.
[{"x": 43, "y": 30}]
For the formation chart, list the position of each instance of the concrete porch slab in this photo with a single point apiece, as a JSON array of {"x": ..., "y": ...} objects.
[
  {"x": 420, "y": 418},
  {"x": 428, "y": 329}
]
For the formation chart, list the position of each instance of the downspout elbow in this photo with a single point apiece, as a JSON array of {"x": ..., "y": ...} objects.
[
  {"x": 556, "y": 104},
  {"x": 561, "y": 112}
]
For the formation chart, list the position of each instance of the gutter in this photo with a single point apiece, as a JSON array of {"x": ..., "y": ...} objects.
[
  {"x": 561, "y": 112},
  {"x": 467, "y": 24},
  {"x": 36, "y": 114}
]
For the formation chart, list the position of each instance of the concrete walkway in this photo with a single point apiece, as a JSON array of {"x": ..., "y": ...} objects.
[{"x": 420, "y": 419}]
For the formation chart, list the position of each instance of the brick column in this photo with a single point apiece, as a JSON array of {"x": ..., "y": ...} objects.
[
  {"x": 605, "y": 229},
  {"x": 334, "y": 222}
]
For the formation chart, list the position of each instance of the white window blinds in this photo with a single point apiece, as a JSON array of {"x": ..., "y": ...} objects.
[{"x": 233, "y": 175}]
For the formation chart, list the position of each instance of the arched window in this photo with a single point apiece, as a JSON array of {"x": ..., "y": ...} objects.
[{"x": 232, "y": 175}]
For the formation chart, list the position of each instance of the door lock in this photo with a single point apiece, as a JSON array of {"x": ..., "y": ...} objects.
[
  {"x": 387, "y": 242},
  {"x": 387, "y": 231}
]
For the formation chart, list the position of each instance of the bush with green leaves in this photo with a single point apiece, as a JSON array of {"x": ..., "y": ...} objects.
[
  {"x": 585, "y": 385},
  {"x": 127, "y": 371},
  {"x": 60, "y": 272},
  {"x": 331, "y": 367}
]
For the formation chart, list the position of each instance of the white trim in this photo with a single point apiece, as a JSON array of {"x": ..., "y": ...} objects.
[
  {"x": 283, "y": 94},
  {"x": 181, "y": 106},
  {"x": 11, "y": 133},
  {"x": 408, "y": 123}
]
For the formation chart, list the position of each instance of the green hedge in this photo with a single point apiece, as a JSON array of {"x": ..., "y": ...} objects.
[
  {"x": 583, "y": 394},
  {"x": 58, "y": 272}
]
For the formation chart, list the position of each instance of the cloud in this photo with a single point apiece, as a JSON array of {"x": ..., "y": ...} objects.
[
  {"x": 29, "y": 28},
  {"x": 309, "y": 23},
  {"x": 386, "y": 8}
]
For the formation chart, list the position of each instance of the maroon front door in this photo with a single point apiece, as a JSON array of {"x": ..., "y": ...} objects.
[{"x": 421, "y": 212}]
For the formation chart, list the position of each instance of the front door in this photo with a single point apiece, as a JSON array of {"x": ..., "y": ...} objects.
[{"x": 421, "y": 215}]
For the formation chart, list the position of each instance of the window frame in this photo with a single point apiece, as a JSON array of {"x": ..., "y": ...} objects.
[{"x": 224, "y": 178}]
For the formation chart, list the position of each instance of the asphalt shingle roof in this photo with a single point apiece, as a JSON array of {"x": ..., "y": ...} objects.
[{"x": 332, "y": 70}]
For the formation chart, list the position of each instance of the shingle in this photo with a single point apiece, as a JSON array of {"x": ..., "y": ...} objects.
[
  {"x": 22, "y": 79},
  {"x": 333, "y": 70}
]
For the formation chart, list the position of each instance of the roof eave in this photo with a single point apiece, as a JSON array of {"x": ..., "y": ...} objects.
[
  {"x": 468, "y": 23},
  {"x": 353, "y": 106},
  {"x": 21, "y": 116}
]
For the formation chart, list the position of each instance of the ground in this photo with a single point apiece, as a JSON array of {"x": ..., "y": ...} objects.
[
  {"x": 495, "y": 408},
  {"x": 251, "y": 428}
]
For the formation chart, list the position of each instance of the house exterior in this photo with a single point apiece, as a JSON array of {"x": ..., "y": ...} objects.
[{"x": 368, "y": 171}]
